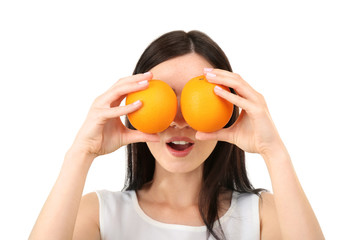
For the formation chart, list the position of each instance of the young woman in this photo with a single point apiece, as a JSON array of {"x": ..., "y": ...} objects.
[{"x": 205, "y": 194}]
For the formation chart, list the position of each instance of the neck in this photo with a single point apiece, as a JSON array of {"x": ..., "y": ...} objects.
[{"x": 176, "y": 189}]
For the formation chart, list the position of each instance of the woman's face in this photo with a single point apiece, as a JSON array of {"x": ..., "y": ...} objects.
[{"x": 171, "y": 153}]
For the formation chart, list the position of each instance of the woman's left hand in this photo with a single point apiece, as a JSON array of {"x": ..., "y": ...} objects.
[{"x": 254, "y": 130}]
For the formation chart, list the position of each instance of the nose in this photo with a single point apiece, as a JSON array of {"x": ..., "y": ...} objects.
[{"x": 179, "y": 121}]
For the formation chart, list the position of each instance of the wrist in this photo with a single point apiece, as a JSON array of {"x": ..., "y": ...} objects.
[
  {"x": 275, "y": 151},
  {"x": 79, "y": 156}
]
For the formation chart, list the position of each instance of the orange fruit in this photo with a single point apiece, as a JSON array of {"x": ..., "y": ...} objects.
[
  {"x": 158, "y": 109},
  {"x": 202, "y": 109}
]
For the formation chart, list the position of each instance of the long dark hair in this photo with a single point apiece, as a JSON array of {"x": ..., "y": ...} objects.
[{"x": 224, "y": 169}]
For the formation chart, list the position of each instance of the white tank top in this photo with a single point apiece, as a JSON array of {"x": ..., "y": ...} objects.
[{"x": 122, "y": 218}]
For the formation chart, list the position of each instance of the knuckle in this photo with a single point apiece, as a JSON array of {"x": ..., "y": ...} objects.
[
  {"x": 260, "y": 110},
  {"x": 259, "y": 95},
  {"x": 261, "y": 98},
  {"x": 121, "y": 80},
  {"x": 97, "y": 100},
  {"x": 254, "y": 110},
  {"x": 256, "y": 97},
  {"x": 99, "y": 115},
  {"x": 237, "y": 75}
]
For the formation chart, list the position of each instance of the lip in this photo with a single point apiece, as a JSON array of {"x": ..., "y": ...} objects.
[
  {"x": 180, "y": 153},
  {"x": 179, "y": 138}
]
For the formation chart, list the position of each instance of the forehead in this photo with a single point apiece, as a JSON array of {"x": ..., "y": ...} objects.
[{"x": 178, "y": 71}]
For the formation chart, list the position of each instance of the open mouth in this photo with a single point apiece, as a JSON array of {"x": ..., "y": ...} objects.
[
  {"x": 179, "y": 145},
  {"x": 179, "y": 148}
]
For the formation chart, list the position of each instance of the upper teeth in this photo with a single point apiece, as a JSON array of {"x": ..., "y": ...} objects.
[{"x": 180, "y": 142}]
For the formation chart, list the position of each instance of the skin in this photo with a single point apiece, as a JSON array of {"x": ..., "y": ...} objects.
[
  {"x": 172, "y": 196},
  {"x": 286, "y": 214}
]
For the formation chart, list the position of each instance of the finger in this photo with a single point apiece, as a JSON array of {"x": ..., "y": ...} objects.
[
  {"x": 220, "y": 135},
  {"x": 115, "y": 112},
  {"x": 231, "y": 80},
  {"x": 133, "y": 78},
  {"x": 116, "y": 95},
  {"x": 117, "y": 92},
  {"x": 225, "y": 73},
  {"x": 133, "y": 136},
  {"x": 233, "y": 98},
  {"x": 204, "y": 136}
]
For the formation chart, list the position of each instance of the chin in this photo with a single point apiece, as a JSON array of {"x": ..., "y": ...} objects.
[
  {"x": 179, "y": 166},
  {"x": 185, "y": 161}
]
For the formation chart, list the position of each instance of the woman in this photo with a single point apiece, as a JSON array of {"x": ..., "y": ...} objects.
[{"x": 203, "y": 195}]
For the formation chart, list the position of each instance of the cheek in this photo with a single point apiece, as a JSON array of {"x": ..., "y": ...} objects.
[
  {"x": 205, "y": 148},
  {"x": 155, "y": 149}
]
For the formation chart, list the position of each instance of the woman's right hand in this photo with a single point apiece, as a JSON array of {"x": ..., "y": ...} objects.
[{"x": 103, "y": 131}]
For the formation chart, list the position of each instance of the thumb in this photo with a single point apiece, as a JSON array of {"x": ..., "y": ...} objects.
[
  {"x": 134, "y": 136},
  {"x": 206, "y": 136},
  {"x": 220, "y": 135}
]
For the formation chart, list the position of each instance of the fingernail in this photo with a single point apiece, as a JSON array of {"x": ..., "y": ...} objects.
[
  {"x": 208, "y": 69},
  {"x": 210, "y": 75},
  {"x": 217, "y": 88},
  {"x": 143, "y": 82},
  {"x": 147, "y": 73},
  {"x": 137, "y": 102}
]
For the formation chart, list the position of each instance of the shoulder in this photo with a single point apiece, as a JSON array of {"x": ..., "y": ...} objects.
[
  {"x": 93, "y": 204},
  {"x": 87, "y": 223},
  {"x": 247, "y": 204},
  {"x": 89, "y": 207},
  {"x": 242, "y": 219},
  {"x": 269, "y": 225},
  {"x": 95, "y": 211},
  {"x": 107, "y": 198}
]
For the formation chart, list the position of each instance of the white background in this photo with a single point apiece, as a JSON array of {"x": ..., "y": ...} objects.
[{"x": 57, "y": 56}]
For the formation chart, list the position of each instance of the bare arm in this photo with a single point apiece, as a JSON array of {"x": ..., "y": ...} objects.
[
  {"x": 87, "y": 225},
  {"x": 255, "y": 132},
  {"x": 58, "y": 215},
  {"x": 102, "y": 132},
  {"x": 269, "y": 225},
  {"x": 294, "y": 212}
]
